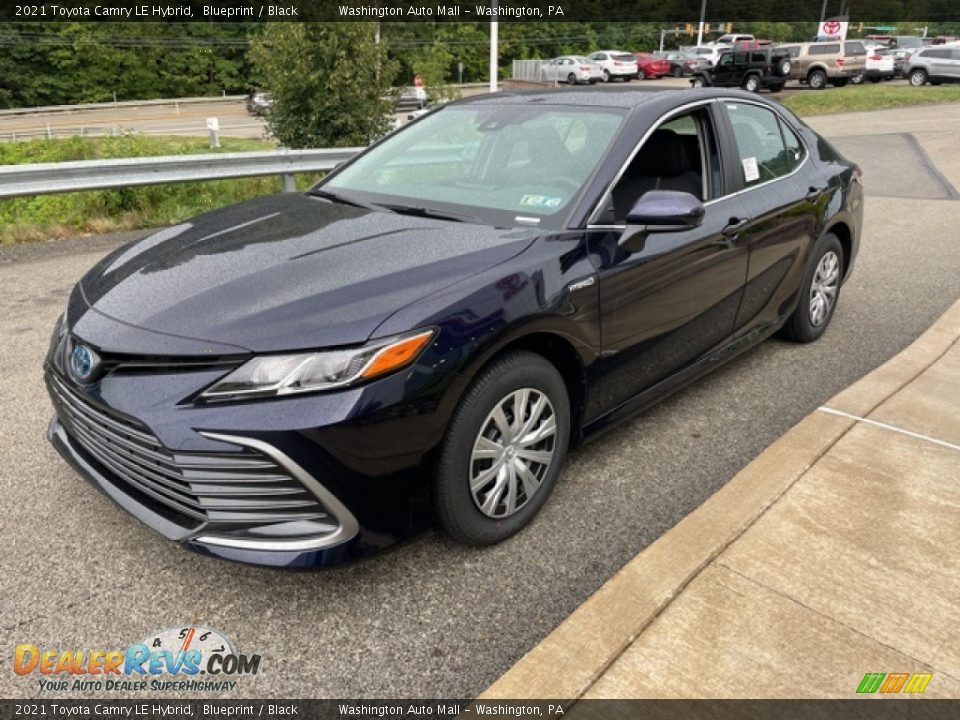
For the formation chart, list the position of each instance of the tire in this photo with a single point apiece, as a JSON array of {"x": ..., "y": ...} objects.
[
  {"x": 918, "y": 78},
  {"x": 606, "y": 76},
  {"x": 697, "y": 82},
  {"x": 782, "y": 67},
  {"x": 571, "y": 79},
  {"x": 776, "y": 87},
  {"x": 857, "y": 79},
  {"x": 459, "y": 510},
  {"x": 817, "y": 79},
  {"x": 641, "y": 75},
  {"x": 677, "y": 72},
  {"x": 802, "y": 326},
  {"x": 751, "y": 83}
]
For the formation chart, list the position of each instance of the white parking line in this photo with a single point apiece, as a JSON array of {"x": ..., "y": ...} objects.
[{"x": 893, "y": 428}]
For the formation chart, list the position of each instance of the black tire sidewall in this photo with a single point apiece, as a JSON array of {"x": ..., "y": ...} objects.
[
  {"x": 799, "y": 327},
  {"x": 455, "y": 509}
]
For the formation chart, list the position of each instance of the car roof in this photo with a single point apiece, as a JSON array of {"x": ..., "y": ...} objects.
[{"x": 661, "y": 98}]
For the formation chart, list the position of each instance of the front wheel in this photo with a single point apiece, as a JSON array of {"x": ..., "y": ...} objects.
[
  {"x": 819, "y": 293},
  {"x": 751, "y": 84},
  {"x": 918, "y": 78},
  {"x": 677, "y": 72},
  {"x": 571, "y": 79},
  {"x": 503, "y": 450},
  {"x": 606, "y": 76}
]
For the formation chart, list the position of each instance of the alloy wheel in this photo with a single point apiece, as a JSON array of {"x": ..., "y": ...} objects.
[
  {"x": 823, "y": 288},
  {"x": 512, "y": 452}
]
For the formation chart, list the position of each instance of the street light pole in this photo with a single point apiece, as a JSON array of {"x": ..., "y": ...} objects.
[{"x": 703, "y": 16}]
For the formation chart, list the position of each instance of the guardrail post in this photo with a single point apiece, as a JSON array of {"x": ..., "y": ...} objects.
[{"x": 289, "y": 183}]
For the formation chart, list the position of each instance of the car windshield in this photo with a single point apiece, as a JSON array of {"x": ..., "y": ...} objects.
[{"x": 503, "y": 165}]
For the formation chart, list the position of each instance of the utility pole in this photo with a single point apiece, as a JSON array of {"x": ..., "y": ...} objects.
[
  {"x": 703, "y": 16},
  {"x": 823, "y": 12},
  {"x": 661, "y": 39},
  {"x": 494, "y": 47}
]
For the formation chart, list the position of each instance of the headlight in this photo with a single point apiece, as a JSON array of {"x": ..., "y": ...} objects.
[{"x": 271, "y": 375}]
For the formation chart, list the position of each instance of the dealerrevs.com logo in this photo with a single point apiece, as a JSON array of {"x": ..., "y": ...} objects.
[{"x": 181, "y": 659}]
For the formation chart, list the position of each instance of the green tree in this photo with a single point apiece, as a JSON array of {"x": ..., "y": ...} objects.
[{"x": 329, "y": 82}]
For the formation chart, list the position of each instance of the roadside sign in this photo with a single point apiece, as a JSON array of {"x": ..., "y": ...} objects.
[
  {"x": 833, "y": 30},
  {"x": 213, "y": 124}
]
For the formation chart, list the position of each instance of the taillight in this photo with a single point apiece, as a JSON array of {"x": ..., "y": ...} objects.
[
  {"x": 857, "y": 174},
  {"x": 876, "y": 58},
  {"x": 584, "y": 68},
  {"x": 840, "y": 62},
  {"x": 617, "y": 63}
]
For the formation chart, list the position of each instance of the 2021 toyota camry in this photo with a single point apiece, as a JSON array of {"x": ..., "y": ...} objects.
[{"x": 302, "y": 379}]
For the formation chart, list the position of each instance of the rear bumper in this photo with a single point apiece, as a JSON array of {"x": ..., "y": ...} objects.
[{"x": 874, "y": 73}]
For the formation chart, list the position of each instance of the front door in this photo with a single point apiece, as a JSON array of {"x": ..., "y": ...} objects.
[{"x": 674, "y": 299}]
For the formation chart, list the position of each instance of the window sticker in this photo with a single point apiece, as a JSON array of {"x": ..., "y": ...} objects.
[
  {"x": 546, "y": 202},
  {"x": 751, "y": 171}
]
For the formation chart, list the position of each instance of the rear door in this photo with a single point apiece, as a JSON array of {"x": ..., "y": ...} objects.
[
  {"x": 779, "y": 195},
  {"x": 855, "y": 56}
]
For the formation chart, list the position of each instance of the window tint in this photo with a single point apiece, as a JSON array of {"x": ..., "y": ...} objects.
[
  {"x": 757, "y": 57},
  {"x": 831, "y": 49},
  {"x": 936, "y": 54},
  {"x": 760, "y": 144}
]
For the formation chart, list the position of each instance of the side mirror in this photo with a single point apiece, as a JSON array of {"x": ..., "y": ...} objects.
[{"x": 660, "y": 211}]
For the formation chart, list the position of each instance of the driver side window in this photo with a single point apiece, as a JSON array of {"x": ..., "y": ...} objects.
[{"x": 681, "y": 154}]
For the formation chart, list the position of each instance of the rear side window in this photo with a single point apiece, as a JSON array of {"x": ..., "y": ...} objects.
[
  {"x": 831, "y": 49},
  {"x": 936, "y": 54},
  {"x": 761, "y": 145},
  {"x": 624, "y": 57},
  {"x": 758, "y": 57}
]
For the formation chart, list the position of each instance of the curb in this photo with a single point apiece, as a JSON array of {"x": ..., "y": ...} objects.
[{"x": 569, "y": 660}]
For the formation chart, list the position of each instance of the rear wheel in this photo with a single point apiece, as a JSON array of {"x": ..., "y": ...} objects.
[
  {"x": 751, "y": 83},
  {"x": 817, "y": 79},
  {"x": 918, "y": 77},
  {"x": 503, "y": 450},
  {"x": 641, "y": 75},
  {"x": 697, "y": 82},
  {"x": 857, "y": 79},
  {"x": 606, "y": 76},
  {"x": 677, "y": 72},
  {"x": 782, "y": 67},
  {"x": 819, "y": 293},
  {"x": 571, "y": 79}
]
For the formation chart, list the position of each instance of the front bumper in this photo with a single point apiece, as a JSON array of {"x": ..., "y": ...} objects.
[{"x": 302, "y": 481}]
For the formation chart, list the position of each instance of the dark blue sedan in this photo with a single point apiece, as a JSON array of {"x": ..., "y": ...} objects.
[{"x": 302, "y": 379}]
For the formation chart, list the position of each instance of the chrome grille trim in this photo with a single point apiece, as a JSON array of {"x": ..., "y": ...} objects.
[{"x": 236, "y": 489}]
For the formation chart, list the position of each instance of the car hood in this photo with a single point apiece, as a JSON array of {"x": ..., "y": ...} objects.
[{"x": 289, "y": 272}]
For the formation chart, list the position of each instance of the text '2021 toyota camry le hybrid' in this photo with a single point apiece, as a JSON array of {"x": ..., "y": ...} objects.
[{"x": 301, "y": 379}]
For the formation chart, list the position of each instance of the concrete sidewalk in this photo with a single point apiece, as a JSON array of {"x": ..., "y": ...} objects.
[{"x": 833, "y": 554}]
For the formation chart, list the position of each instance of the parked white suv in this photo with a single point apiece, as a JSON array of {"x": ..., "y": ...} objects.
[
  {"x": 710, "y": 53},
  {"x": 615, "y": 64}
]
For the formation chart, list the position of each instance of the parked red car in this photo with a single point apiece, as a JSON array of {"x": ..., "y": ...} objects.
[{"x": 649, "y": 66}]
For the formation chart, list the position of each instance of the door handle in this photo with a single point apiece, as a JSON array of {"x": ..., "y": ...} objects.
[
  {"x": 813, "y": 193},
  {"x": 735, "y": 226}
]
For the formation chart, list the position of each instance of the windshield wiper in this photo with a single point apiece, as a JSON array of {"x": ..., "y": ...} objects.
[
  {"x": 418, "y": 211},
  {"x": 338, "y": 198}
]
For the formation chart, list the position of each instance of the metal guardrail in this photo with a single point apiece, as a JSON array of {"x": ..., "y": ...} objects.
[
  {"x": 49, "y": 178},
  {"x": 121, "y": 104}
]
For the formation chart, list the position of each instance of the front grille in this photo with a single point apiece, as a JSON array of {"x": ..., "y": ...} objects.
[{"x": 232, "y": 489}]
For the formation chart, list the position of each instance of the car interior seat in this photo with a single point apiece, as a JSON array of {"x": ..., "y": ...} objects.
[{"x": 663, "y": 163}]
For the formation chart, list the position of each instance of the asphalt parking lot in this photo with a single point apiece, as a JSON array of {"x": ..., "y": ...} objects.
[{"x": 431, "y": 618}]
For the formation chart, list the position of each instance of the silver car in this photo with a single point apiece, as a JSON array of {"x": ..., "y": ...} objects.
[
  {"x": 934, "y": 65},
  {"x": 571, "y": 69}
]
